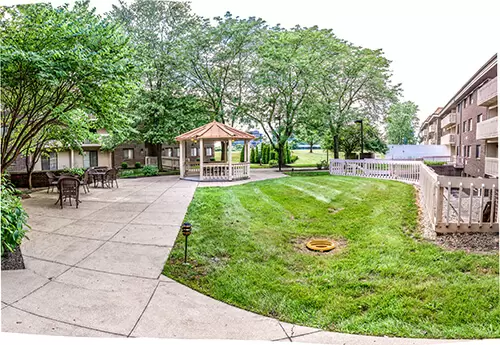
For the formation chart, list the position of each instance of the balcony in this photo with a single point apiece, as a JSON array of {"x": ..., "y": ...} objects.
[
  {"x": 491, "y": 166},
  {"x": 448, "y": 139},
  {"x": 433, "y": 128},
  {"x": 488, "y": 129},
  {"x": 449, "y": 120},
  {"x": 458, "y": 161},
  {"x": 487, "y": 94}
]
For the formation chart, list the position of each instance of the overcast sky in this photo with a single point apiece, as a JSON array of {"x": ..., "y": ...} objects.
[{"x": 435, "y": 45}]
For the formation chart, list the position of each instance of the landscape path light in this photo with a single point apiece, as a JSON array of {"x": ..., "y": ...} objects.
[{"x": 186, "y": 231}]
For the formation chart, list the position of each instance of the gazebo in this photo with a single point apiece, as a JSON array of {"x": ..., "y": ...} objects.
[{"x": 196, "y": 149}]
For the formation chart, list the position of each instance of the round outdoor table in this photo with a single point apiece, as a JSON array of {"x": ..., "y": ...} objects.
[{"x": 96, "y": 175}]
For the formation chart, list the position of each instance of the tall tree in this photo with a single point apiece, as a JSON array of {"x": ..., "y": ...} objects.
[
  {"x": 161, "y": 109},
  {"x": 285, "y": 69},
  {"x": 401, "y": 123},
  {"x": 353, "y": 78},
  {"x": 217, "y": 63},
  {"x": 55, "y": 60}
]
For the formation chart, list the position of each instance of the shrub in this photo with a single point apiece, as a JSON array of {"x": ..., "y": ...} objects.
[
  {"x": 124, "y": 165},
  {"x": 150, "y": 170},
  {"x": 74, "y": 171},
  {"x": 212, "y": 159},
  {"x": 273, "y": 163},
  {"x": 14, "y": 218},
  {"x": 138, "y": 165},
  {"x": 242, "y": 155},
  {"x": 293, "y": 158},
  {"x": 322, "y": 165},
  {"x": 127, "y": 173},
  {"x": 430, "y": 163}
]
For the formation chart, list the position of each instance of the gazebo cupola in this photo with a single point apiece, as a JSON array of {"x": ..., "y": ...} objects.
[{"x": 199, "y": 167}]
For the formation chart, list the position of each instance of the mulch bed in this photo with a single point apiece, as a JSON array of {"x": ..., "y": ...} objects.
[
  {"x": 470, "y": 242},
  {"x": 13, "y": 261}
]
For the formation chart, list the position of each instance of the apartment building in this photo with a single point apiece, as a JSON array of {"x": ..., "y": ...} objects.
[
  {"x": 468, "y": 124},
  {"x": 430, "y": 130}
]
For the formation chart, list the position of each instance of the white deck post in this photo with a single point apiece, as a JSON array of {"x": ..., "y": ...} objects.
[
  {"x": 247, "y": 158},
  {"x": 230, "y": 159},
  {"x": 72, "y": 159},
  {"x": 181, "y": 158},
  {"x": 202, "y": 149}
]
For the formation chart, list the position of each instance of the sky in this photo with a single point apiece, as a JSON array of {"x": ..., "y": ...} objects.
[{"x": 435, "y": 45}]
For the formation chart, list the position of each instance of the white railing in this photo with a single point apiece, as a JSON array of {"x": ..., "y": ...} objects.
[
  {"x": 378, "y": 168},
  {"x": 192, "y": 168},
  {"x": 149, "y": 160},
  {"x": 487, "y": 129},
  {"x": 449, "y": 120},
  {"x": 487, "y": 94},
  {"x": 240, "y": 170},
  {"x": 170, "y": 163},
  {"x": 451, "y": 204},
  {"x": 448, "y": 139},
  {"x": 215, "y": 172},
  {"x": 491, "y": 166}
]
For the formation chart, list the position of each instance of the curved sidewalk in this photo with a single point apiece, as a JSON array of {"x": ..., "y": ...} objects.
[{"x": 96, "y": 271}]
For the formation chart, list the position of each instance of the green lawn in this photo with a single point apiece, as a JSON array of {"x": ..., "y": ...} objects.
[{"x": 247, "y": 250}]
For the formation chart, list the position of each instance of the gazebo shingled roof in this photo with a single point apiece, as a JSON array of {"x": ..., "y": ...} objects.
[{"x": 214, "y": 130}]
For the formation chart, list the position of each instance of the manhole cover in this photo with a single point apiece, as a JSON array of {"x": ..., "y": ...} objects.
[{"x": 320, "y": 245}]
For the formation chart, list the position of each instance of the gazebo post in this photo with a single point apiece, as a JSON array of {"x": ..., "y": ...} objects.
[
  {"x": 247, "y": 158},
  {"x": 230, "y": 159},
  {"x": 202, "y": 147},
  {"x": 181, "y": 158}
]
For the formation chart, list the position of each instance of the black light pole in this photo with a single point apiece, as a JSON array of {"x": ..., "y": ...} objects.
[
  {"x": 361, "y": 122},
  {"x": 186, "y": 231}
]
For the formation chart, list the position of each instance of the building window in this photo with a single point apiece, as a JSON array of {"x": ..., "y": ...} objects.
[
  {"x": 464, "y": 126},
  {"x": 459, "y": 107},
  {"x": 465, "y": 103},
  {"x": 478, "y": 151},
  {"x": 194, "y": 152},
  {"x": 208, "y": 151},
  {"x": 469, "y": 153},
  {"x": 479, "y": 118},
  {"x": 470, "y": 125},
  {"x": 169, "y": 152},
  {"x": 458, "y": 129},
  {"x": 128, "y": 153},
  {"x": 176, "y": 152},
  {"x": 90, "y": 159},
  {"x": 470, "y": 99},
  {"x": 49, "y": 161},
  {"x": 464, "y": 152},
  {"x": 458, "y": 150}
]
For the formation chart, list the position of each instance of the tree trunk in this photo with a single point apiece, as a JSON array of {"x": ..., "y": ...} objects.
[
  {"x": 311, "y": 147},
  {"x": 158, "y": 157},
  {"x": 280, "y": 156},
  {"x": 336, "y": 146}
]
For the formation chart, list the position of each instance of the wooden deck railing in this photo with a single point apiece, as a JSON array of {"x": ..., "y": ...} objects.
[{"x": 451, "y": 204}]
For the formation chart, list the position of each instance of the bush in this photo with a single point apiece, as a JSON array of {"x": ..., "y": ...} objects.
[
  {"x": 242, "y": 155},
  {"x": 294, "y": 158},
  {"x": 74, "y": 171},
  {"x": 273, "y": 163},
  {"x": 322, "y": 165},
  {"x": 124, "y": 165},
  {"x": 150, "y": 170},
  {"x": 127, "y": 173},
  {"x": 138, "y": 165},
  {"x": 431, "y": 163},
  {"x": 14, "y": 218}
]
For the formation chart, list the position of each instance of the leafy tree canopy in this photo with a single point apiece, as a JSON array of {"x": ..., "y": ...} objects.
[{"x": 401, "y": 123}]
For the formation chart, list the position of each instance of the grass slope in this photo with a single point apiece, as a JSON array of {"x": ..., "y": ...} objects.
[{"x": 383, "y": 281}]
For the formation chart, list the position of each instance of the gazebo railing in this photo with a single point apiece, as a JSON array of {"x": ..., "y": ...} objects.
[
  {"x": 240, "y": 170},
  {"x": 215, "y": 172}
]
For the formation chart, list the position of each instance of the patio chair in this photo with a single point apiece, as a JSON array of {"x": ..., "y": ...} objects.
[
  {"x": 69, "y": 188},
  {"x": 86, "y": 180},
  {"x": 52, "y": 180},
  {"x": 111, "y": 177}
]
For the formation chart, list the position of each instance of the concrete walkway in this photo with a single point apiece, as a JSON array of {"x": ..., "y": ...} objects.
[{"x": 96, "y": 271}]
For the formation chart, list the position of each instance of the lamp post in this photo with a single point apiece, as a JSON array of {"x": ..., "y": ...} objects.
[
  {"x": 361, "y": 122},
  {"x": 186, "y": 231}
]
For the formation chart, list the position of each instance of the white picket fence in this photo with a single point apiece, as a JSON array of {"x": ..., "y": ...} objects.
[{"x": 451, "y": 204}]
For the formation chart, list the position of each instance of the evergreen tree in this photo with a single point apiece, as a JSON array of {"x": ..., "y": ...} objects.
[
  {"x": 242, "y": 154},
  {"x": 252, "y": 155},
  {"x": 257, "y": 160}
]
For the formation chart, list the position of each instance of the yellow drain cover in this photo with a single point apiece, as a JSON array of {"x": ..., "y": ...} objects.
[{"x": 320, "y": 245}]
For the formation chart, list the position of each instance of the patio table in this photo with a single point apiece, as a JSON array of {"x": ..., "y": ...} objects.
[{"x": 98, "y": 175}]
